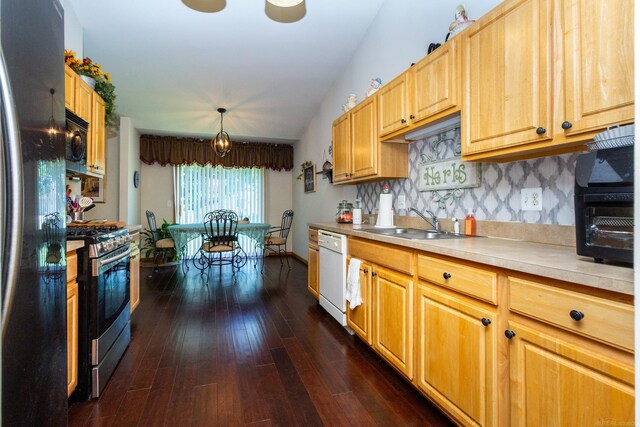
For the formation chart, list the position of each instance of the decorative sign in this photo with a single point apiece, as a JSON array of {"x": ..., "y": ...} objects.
[{"x": 448, "y": 174}]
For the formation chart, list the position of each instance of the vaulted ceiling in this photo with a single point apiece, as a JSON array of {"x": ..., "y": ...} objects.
[{"x": 173, "y": 66}]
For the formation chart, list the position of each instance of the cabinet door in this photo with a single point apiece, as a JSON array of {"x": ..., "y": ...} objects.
[
  {"x": 83, "y": 100},
  {"x": 435, "y": 82},
  {"x": 364, "y": 139},
  {"x": 342, "y": 148},
  {"x": 554, "y": 383},
  {"x": 134, "y": 276},
  {"x": 69, "y": 88},
  {"x": 313, "y": 267},
  {"x": 455, "y": 348},
  {"x": 507, "y": 72},
  {"x": 598, "y": 60},
  {"x": 393, "y": 318},
  {"x": 393, "y": 105},
  {"x": 72, "y": 336},
  {"x": 96, "y": 155},
  {"x": 359, "y": 318}
]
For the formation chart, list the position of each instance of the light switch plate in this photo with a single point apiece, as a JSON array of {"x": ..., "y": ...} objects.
[
  {"x": 401, "y": 203},
  {"x": 531, "y": 199},
  {"x": 169, "y": 203}
]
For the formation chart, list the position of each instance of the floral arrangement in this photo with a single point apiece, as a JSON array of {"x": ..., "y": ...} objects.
[{"x": 104, "y": 87}]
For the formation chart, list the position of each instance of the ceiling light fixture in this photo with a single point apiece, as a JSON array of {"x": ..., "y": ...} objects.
[
  {"x": 285, "y": 11},
  {"x": 221, "y": 143}
]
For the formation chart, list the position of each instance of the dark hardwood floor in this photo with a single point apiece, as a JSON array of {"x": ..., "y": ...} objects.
[{"x": 259, "y": 352}]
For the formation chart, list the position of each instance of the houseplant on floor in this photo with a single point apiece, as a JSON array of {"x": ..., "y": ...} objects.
[{"x": 149, "y": 243}]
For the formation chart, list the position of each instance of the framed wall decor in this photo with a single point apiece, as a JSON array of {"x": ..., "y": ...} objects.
[
  {"x": 93, "y": 187},
  {"x": 309, "y": 178}
]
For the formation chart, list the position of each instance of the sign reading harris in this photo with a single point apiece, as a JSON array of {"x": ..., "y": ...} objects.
[{"x": 448, "y": 174}]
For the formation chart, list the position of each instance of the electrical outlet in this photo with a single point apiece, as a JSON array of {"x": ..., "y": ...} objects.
[
  {"x": 401, "y": 202},
  {"x": 531, "y": 199}
]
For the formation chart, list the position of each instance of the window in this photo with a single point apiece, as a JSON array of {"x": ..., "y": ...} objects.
[{"x": 202, "y": 189}]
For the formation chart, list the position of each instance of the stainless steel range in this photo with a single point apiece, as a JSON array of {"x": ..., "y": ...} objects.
[{"x": 103, "y": 327}]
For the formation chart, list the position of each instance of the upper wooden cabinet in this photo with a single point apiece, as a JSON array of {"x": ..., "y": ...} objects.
[
  {"x": 83, "y": 100},
  {"x": 543, "y": 77},
  {"x": 598, "y": 61},
  {"x": 358, "y": 155},
  {"x": 96, "y": 160},
  {"x": 427, "y": 91},
  {"x": 507, "y": 77},
  {"x": 69, "y": 88}
]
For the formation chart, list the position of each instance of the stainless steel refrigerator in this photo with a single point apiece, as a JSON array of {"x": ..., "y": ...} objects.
[{"x": 32, "y": 186}]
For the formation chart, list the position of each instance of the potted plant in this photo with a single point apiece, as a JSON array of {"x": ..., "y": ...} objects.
[
  {"x": 101, "y": 82},
  {"x": 149, "y": 243}
]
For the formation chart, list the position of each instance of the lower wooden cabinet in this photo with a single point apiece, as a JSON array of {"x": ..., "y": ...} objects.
[
  {"x": 72, "y": 322},
  {"x": 393, "y": 318},
  {"x": 359, "y": 318},
  {"x": 456, "y": 352},
  {"x": 313, "y": 270},
  {"x": 134, "y": 276},
  {"x": 559, "y": 383}
]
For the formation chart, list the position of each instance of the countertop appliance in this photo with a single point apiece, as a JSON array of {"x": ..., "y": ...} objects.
[
  {"x": 333, "y": 274},
  {"x": 32, "y": 202},
  {"x": 104, "y": 327},
  {"x": 604, "y": 204}
]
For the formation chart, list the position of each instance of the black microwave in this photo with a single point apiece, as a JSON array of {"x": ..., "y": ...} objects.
[{"x": 76, "y": 143}]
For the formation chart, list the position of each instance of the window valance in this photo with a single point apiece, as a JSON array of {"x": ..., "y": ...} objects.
[{"x": 172, "y": 150}]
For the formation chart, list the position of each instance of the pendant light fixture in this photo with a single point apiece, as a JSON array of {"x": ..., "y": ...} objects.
[
  {"x": 285, "y": 11},
  {"x": 221, "y": 143}
]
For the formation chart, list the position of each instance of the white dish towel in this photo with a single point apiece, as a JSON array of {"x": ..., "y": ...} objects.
[{"x": 353, "y": 283}]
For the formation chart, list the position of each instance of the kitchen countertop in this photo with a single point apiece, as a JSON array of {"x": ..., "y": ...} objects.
[
  {"x": 556, "y": 262},
  {"x": 73, "y": 245}
]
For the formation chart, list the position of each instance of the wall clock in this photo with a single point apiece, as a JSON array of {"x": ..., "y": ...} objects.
[{"x": 136, "y": 179}]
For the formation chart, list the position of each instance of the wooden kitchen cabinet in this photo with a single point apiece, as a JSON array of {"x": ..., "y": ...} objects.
[
  {"x": 555, "y": 382},
  {"x": 134, "y": 278},
  {"x": 96, "y": 160},
  {"x": 313, "y": 266},
  {"x": 83, "y": 100},
  {"x": 456, "y": 352},
  {"x": 359, "y": 318},
  {"x": 394, "y": 105},
  {"x": 507, "y": 69},
  {"x": 69, "y": 88},
  {"x": 72, "y": 322},
  {"x": 598, "y": 61},
  {"x": 357, "y": 153}
]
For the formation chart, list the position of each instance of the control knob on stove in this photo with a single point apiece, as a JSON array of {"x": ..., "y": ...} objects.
[{"x": 108, "y": 245}]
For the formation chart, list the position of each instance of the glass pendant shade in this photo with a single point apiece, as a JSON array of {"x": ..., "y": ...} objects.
[
  {"x": 285, "y": 11},
  {"x": 285, "y": 3},
  {"x": 206, "y": 6},
  {"x": 221, "y": 143}
]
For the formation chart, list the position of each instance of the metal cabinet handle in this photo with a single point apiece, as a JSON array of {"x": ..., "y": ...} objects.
[
  {"x": 403, "y": 121},
  {"x": 12, "y": 170},
  {"x": 566, "y": 125},
  {"x": 485, "y": 321},
  {"x": 412, "y": 117},
  {"x": 446, "y": 276},
  {"x": 509, "y": 334},
  {"x": 374, "y": 274},
  {"x": 365, "y": 271},
  {"x": 541, "y": 130},
  {"x": 576, "y": 315}
]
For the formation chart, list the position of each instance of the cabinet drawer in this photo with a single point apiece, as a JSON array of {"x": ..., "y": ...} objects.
[
  {"x": 607, "y": 321},
  {"x": 313, "y": 235},
  {"x": 72, "y": 267},
  {"x": 380, "y": 254},
  {"x": 468, "y": 280}
]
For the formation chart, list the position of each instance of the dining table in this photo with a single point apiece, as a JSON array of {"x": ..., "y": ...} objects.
[{"x": 182, "y": 234}]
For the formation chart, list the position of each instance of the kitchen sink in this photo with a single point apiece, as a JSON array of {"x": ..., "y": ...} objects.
[{"x": 416, "y": 233}]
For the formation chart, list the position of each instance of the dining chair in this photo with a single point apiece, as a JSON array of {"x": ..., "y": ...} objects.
[
  {"x": 220, "y": 239},
  {"x": 160, "y": 245},
  {"x": 276, "y": 239}
]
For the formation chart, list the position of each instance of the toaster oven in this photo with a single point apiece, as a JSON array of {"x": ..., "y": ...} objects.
[{"x": 604, "y": 204}]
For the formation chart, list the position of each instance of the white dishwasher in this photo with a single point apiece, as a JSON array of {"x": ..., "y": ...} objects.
[{"x": 333, "y": 274}]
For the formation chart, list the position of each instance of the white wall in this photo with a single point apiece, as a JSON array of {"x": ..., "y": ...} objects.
[
  {"x": 109, "y": 209},
  {"x": 72, "y": 30},
  {"x": 129, "y": 210},
  {"x": 399, "y": 36}
]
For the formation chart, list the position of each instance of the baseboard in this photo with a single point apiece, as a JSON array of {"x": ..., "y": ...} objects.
[{"x": 299, "y": 258}]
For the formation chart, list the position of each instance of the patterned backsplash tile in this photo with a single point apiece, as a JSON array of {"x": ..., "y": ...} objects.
[{"x": 497, "y": 198}]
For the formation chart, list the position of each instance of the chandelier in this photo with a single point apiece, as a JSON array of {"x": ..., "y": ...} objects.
[
  {"x": 285, "y": 11},
  {"x": 221, "y": 143}
]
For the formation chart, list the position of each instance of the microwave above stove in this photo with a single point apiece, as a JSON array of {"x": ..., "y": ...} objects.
[
  {"x": 604, "y": 204},
  {"x": 76, "y": 143}
]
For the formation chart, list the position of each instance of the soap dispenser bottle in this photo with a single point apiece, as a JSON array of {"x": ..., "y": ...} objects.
[{"x": 470, "y": 223}]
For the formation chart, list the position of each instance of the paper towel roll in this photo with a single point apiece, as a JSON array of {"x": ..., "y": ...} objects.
[
  {"x": 357, "y": 216},
  {"x": 385, "y": 211}
]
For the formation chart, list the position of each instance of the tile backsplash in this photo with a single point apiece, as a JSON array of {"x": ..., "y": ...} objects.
[{"x": 497, "y": 198}]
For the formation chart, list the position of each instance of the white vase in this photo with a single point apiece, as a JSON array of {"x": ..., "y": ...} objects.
[{"x": 89, "y": 80}]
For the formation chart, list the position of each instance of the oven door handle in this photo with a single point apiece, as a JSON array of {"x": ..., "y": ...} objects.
[{"x": 103, "y": 262}]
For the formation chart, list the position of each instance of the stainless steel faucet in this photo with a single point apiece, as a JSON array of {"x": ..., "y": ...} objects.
[{"x": 433, "y": 222}]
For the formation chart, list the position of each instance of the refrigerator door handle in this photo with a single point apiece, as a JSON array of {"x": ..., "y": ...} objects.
[{"x": 12, "y": 155}]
